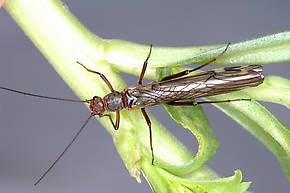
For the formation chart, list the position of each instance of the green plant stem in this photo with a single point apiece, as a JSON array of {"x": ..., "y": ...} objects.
[
  {"x": 275, "y": 89},
  {"x": 63, "y": 41}
]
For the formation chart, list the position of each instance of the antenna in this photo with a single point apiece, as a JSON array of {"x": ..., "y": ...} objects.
[
  {"x": 46, "y": 97},
  {"x": 65, "y": 150}
]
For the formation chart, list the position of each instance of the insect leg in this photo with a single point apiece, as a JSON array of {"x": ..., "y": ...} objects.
[
  {"x": 117, "y": 123},
  {"x": 185, "y": 72},
  {"x": 144, "y": 67},
  {"x": 100, "y": 74},
  {"x": 150, "y": 131},
  {"x": 194, "y": 103}
]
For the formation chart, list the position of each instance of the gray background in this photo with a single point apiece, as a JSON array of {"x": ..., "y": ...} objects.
[{"x": 34, "y": 132}]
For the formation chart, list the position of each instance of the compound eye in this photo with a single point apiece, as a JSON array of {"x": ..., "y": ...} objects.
[{"x": 95, "y": 98}]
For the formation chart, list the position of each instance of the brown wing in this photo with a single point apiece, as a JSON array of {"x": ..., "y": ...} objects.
[{"x": 214, "y": 82}]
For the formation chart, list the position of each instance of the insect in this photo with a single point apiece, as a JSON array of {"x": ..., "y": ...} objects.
[{"x": 171, "y": 90}]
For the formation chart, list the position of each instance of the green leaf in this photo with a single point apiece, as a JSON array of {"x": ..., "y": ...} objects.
[
  {"x": 194, "y": 119},
  {"x": 271, "y": 48},
  {"x": 260, "y": 123},
  {"x": 165, "y": 181},
  {"x": 274, "y": 89}
]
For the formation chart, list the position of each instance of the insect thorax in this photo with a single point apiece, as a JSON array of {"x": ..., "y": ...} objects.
[{"x": 113, "y": 101}]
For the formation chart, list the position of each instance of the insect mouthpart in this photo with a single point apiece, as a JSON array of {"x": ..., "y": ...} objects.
[{"x": 97, "y": 106}]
